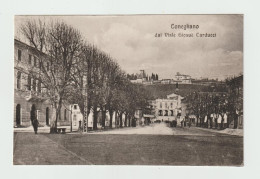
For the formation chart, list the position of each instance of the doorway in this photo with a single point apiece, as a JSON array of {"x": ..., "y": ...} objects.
[
  {"x": 47, "y": 116},
  {"x": 18, "y": 114},
  {"x": 33, "y": 113}
]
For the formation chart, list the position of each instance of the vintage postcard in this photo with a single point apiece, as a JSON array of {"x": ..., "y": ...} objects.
[{"x": 128, "y": 90}]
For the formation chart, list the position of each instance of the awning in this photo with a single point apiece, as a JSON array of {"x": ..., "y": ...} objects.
[{"x": 148, "y": 115}]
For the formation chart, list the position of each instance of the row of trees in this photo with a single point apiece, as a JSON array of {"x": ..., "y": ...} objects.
[
  {"x": 70, "y": 68},
  {"x": 153, "y": 77},
  {"x": 229, "y": 99}
]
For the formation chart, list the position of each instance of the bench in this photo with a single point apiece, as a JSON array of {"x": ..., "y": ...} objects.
[{"x": 61, "y": 130}]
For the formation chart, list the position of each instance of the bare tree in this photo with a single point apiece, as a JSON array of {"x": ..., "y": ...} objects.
[
  {"x": 68, "y": 68},
  {"x": 58, "y": 46}
]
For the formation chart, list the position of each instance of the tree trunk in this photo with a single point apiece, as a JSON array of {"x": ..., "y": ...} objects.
[
  {"x": 126, "y": 116},
  {"x": 129, "y": 121},
  {"x": 117, "y": 120},
  {"x": 120, "y": 119},
  {"x": 95, "y": 115},
  {"x": 53, "y": 128},
  {"x": 197, "y": 123},
  {"x": 103, "y": 111},
  {"x": 111, "y": 118}
]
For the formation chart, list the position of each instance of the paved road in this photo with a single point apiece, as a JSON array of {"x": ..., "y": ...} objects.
[
  {"x": 159, "y": 129},
  {"x": 183, "y": 147}
]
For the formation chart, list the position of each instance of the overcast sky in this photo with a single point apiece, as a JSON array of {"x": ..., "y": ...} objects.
[{"x": 131, "y": 41}]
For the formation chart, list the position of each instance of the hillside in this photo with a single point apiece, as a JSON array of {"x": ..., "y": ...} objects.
[{"x": 162, "y": 90}]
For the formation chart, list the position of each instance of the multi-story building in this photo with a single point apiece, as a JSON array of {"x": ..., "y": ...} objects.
[
  {"x": 167, "y": 109},
  {"x": 28, "y": 92},
  {"x": 185, "y": 79},
  {"x": 166, "y": 81},
  {"x": 141, "y": 78}
]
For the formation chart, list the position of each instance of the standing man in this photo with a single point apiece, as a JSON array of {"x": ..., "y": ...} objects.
[
  {"x": 33, "y": 116},
  {"x": 142, "y": 121},
  {"x": 225, "y": 120},
  {"x": 35, "y": 125},
  {"x": 219, "y": 121},
  {"x": 216, "y": 120},
  {"x": 236, "y": 119},
  {"x": 189, "y": 121},
  {"x": 206, "y": 121},
  {"x": 211, "y": 120},
  {"x": 181, "y": 119}
]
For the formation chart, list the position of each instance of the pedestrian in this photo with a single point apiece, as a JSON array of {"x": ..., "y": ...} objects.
[
  {"x": 142, "y": 121},
  {"x": 35, "y": 125},
  {"x": 216, "y": 120},
  {"x": 211, "y": 120},
  {"x": 189, "y": 121},
  {"x": 185, "y": 120},
  {"x": 222, "y": 122},
  {"x": 201, "y": 121},
  {"x": 225, "y": 120},
  {"x": 236, "y": 118},
  {"x": 197, "y": 120},
  {"x": 181, "y": 119},
  {"x": 219, "y": 121},
  {"x": 206, "y": 121}
]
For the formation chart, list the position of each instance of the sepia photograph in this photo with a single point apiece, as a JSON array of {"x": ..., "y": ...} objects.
[{"x": 161, "y": 90}]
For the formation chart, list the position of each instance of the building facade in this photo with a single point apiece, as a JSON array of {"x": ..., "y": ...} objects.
[
  {"x": 184, "y": 79},
  {"x": 29, "y": 95},
  {"x": 167, "y": 109}
]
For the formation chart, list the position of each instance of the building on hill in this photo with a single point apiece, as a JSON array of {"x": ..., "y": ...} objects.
[
  {"x": 141, "y": 77},
  {"x": 184, "y": 79},
  {"x": 206, "y": 81},
  {"x": 147, "y": 82},
  {"x": 139, "y": 81},
  {"x": 166, "y": 81},
  {"x": 29, "y": 98}
]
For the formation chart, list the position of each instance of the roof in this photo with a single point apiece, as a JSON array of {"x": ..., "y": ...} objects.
[
  {"x": 181, "y": 75},
  {"x": 29, "y": 47},
  {"x": 173, "y": 95},
  {"x": 148, "y": 115}
]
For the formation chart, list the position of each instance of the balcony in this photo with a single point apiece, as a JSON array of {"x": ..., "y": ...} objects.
[{"x": 33, "y": 96}]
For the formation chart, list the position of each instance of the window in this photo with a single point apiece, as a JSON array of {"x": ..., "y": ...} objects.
[
  {"x": 19, "y": 55},
  {"x": 29, "y": 82},
  {"x": 166, "y": 105},
  {"x": 34, "y": 85},
  {"x": 166, "y": 113},
  {"x": 171, "y": 105},
  {"x": 75, "y": 106},
  {"x": 39, "y": 86},
  {"x": 35, "y": 61},
  {"x": 160, "y": 105},
  {"x": 60, "y": 115},
  {"x": 65, "y": 114},
  {"x": 160, "y": 112},
  {"x": 47, "y": 66},
  {"x": 30, "y": 59},
  {"x": 40, "y": 65},
  {"x": 18, "y": 80},
  {"x": 74, "y": 119}
]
